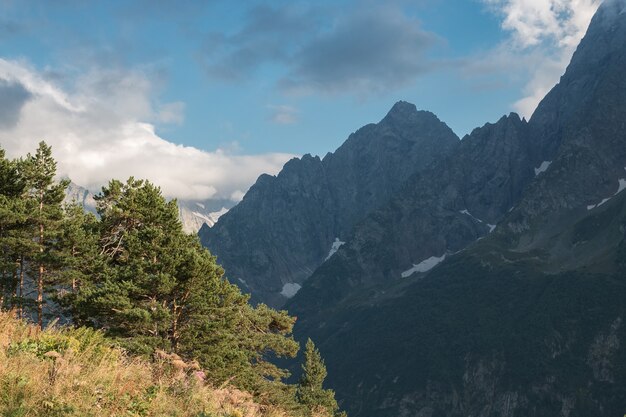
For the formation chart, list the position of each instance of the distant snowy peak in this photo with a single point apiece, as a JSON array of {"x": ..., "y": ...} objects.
[
  {"x": 76, "y": 194},
  {"x": 194, "y": 215}
]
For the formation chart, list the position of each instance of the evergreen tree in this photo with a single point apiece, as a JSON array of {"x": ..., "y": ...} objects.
[
  {"x": 132, "y": 293},
  {"x": 43, "y": 199},
  {"x": 15, "y": 237},
  {"x": 11, "y": 188},
  {"x": 311, "y": 392},
  {"x": 77, "y": 254},
  {"x": 157, "y": 287}
]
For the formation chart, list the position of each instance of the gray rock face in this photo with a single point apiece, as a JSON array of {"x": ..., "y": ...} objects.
[
  {"x": 438, "y": 212},
  {"x": 582, "y": 124},
  {"x": 286, "y": 225},
  {"x": 76, "y": 194},
  {"x": 195, "y": 214}
]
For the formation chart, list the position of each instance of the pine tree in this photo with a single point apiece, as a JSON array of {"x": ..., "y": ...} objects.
[
  {"x": 11, "y": 188},
  {"x": 77, "y": 254},
  {"x": 133, "y": 292},
  {"x": 310, "y": 391},
  {"x": 157, "y": 287},
  {"x": 43, "y": 199},
  {"x": 15, "y": 238}
]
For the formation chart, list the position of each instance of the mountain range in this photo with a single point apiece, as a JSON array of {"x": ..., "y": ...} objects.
[{"x": 444, "y": 277}]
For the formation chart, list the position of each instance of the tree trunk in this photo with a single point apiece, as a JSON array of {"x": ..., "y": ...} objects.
[
  {"x": 40, "y": 296},
  {"x": 41, "y": 267},
  {"x": 175, "y": 327},
  {"x": 74, "y": 255},
  {"x": 3, "y": 288},
  {"x": 20, "y": 310},
  {"x": 14, "y": 285}
]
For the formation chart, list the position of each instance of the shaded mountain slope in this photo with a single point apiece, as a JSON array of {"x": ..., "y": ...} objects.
[
  {"x": 525, "y": 322},
  {"x": 576, "y": 142},
  {"x": 438, "y": 212},
  {"x": 489, "y": 332},
  {"x": 286, "y": 225}
]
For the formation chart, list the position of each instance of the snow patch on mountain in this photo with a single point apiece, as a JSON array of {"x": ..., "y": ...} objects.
[
  {"x": 621, "y": 187},
  {"x": 424, "y": 266},
  {"x": 290, "y": 289},
  {"x": 543, "y": 167},
  {"x": 470, "y": 214},
  {"x": 334, "y": 248}
]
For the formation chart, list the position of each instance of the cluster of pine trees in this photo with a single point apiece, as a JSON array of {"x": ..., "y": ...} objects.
[{"x": 132, "y": 272}]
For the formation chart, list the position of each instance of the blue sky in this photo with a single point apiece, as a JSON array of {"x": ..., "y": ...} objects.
[{"x": 201, "y": 97}]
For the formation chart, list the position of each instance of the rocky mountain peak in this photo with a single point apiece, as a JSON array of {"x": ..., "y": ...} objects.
[
  {"x": 402, "y": 109},
  {"x": 405, "y": 116}
]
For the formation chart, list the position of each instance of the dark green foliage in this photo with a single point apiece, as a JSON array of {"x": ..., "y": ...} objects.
[
  {"x": 78, "y": 251},
  {"x": 136, "y": 278},
  {"x": 310, "y": 390},
  {"x": 152, "y": 286},
  {"x": 11, "y": 219},
  {"x": 43, "y": 197},
  {"x": 30, "y": 222}
]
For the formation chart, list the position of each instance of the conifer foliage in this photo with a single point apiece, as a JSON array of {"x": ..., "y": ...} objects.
[
  {"x": 133, "y": 273},
  {"x": 44, "y": 215},
  {"x": 310, "y": 389}
]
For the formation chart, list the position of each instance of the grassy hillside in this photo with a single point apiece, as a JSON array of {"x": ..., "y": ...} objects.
[{"x": 76, "y": 372}]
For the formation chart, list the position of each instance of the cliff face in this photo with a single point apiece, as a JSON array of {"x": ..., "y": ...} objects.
[
  {"x": 286, "y": 226},
  {"x": 438, "y": 212}
]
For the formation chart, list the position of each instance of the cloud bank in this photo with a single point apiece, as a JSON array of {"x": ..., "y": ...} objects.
[
  {"x": 362, "y": 50},
  {"x": 101, "y": 128}
]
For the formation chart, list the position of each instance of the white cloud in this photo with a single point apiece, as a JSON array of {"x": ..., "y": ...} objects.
[
  {"x": 99, "y": 130},
  {"x": 237, "y": 195},
  {"x": 535, "y": 21},
  {"x": 552, "y": 28}
]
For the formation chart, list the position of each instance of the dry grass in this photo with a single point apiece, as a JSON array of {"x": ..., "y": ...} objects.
[{"x": 74, "y": 372}]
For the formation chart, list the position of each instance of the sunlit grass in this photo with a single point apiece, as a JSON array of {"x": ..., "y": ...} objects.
[{"x": 76, "y": 372}]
